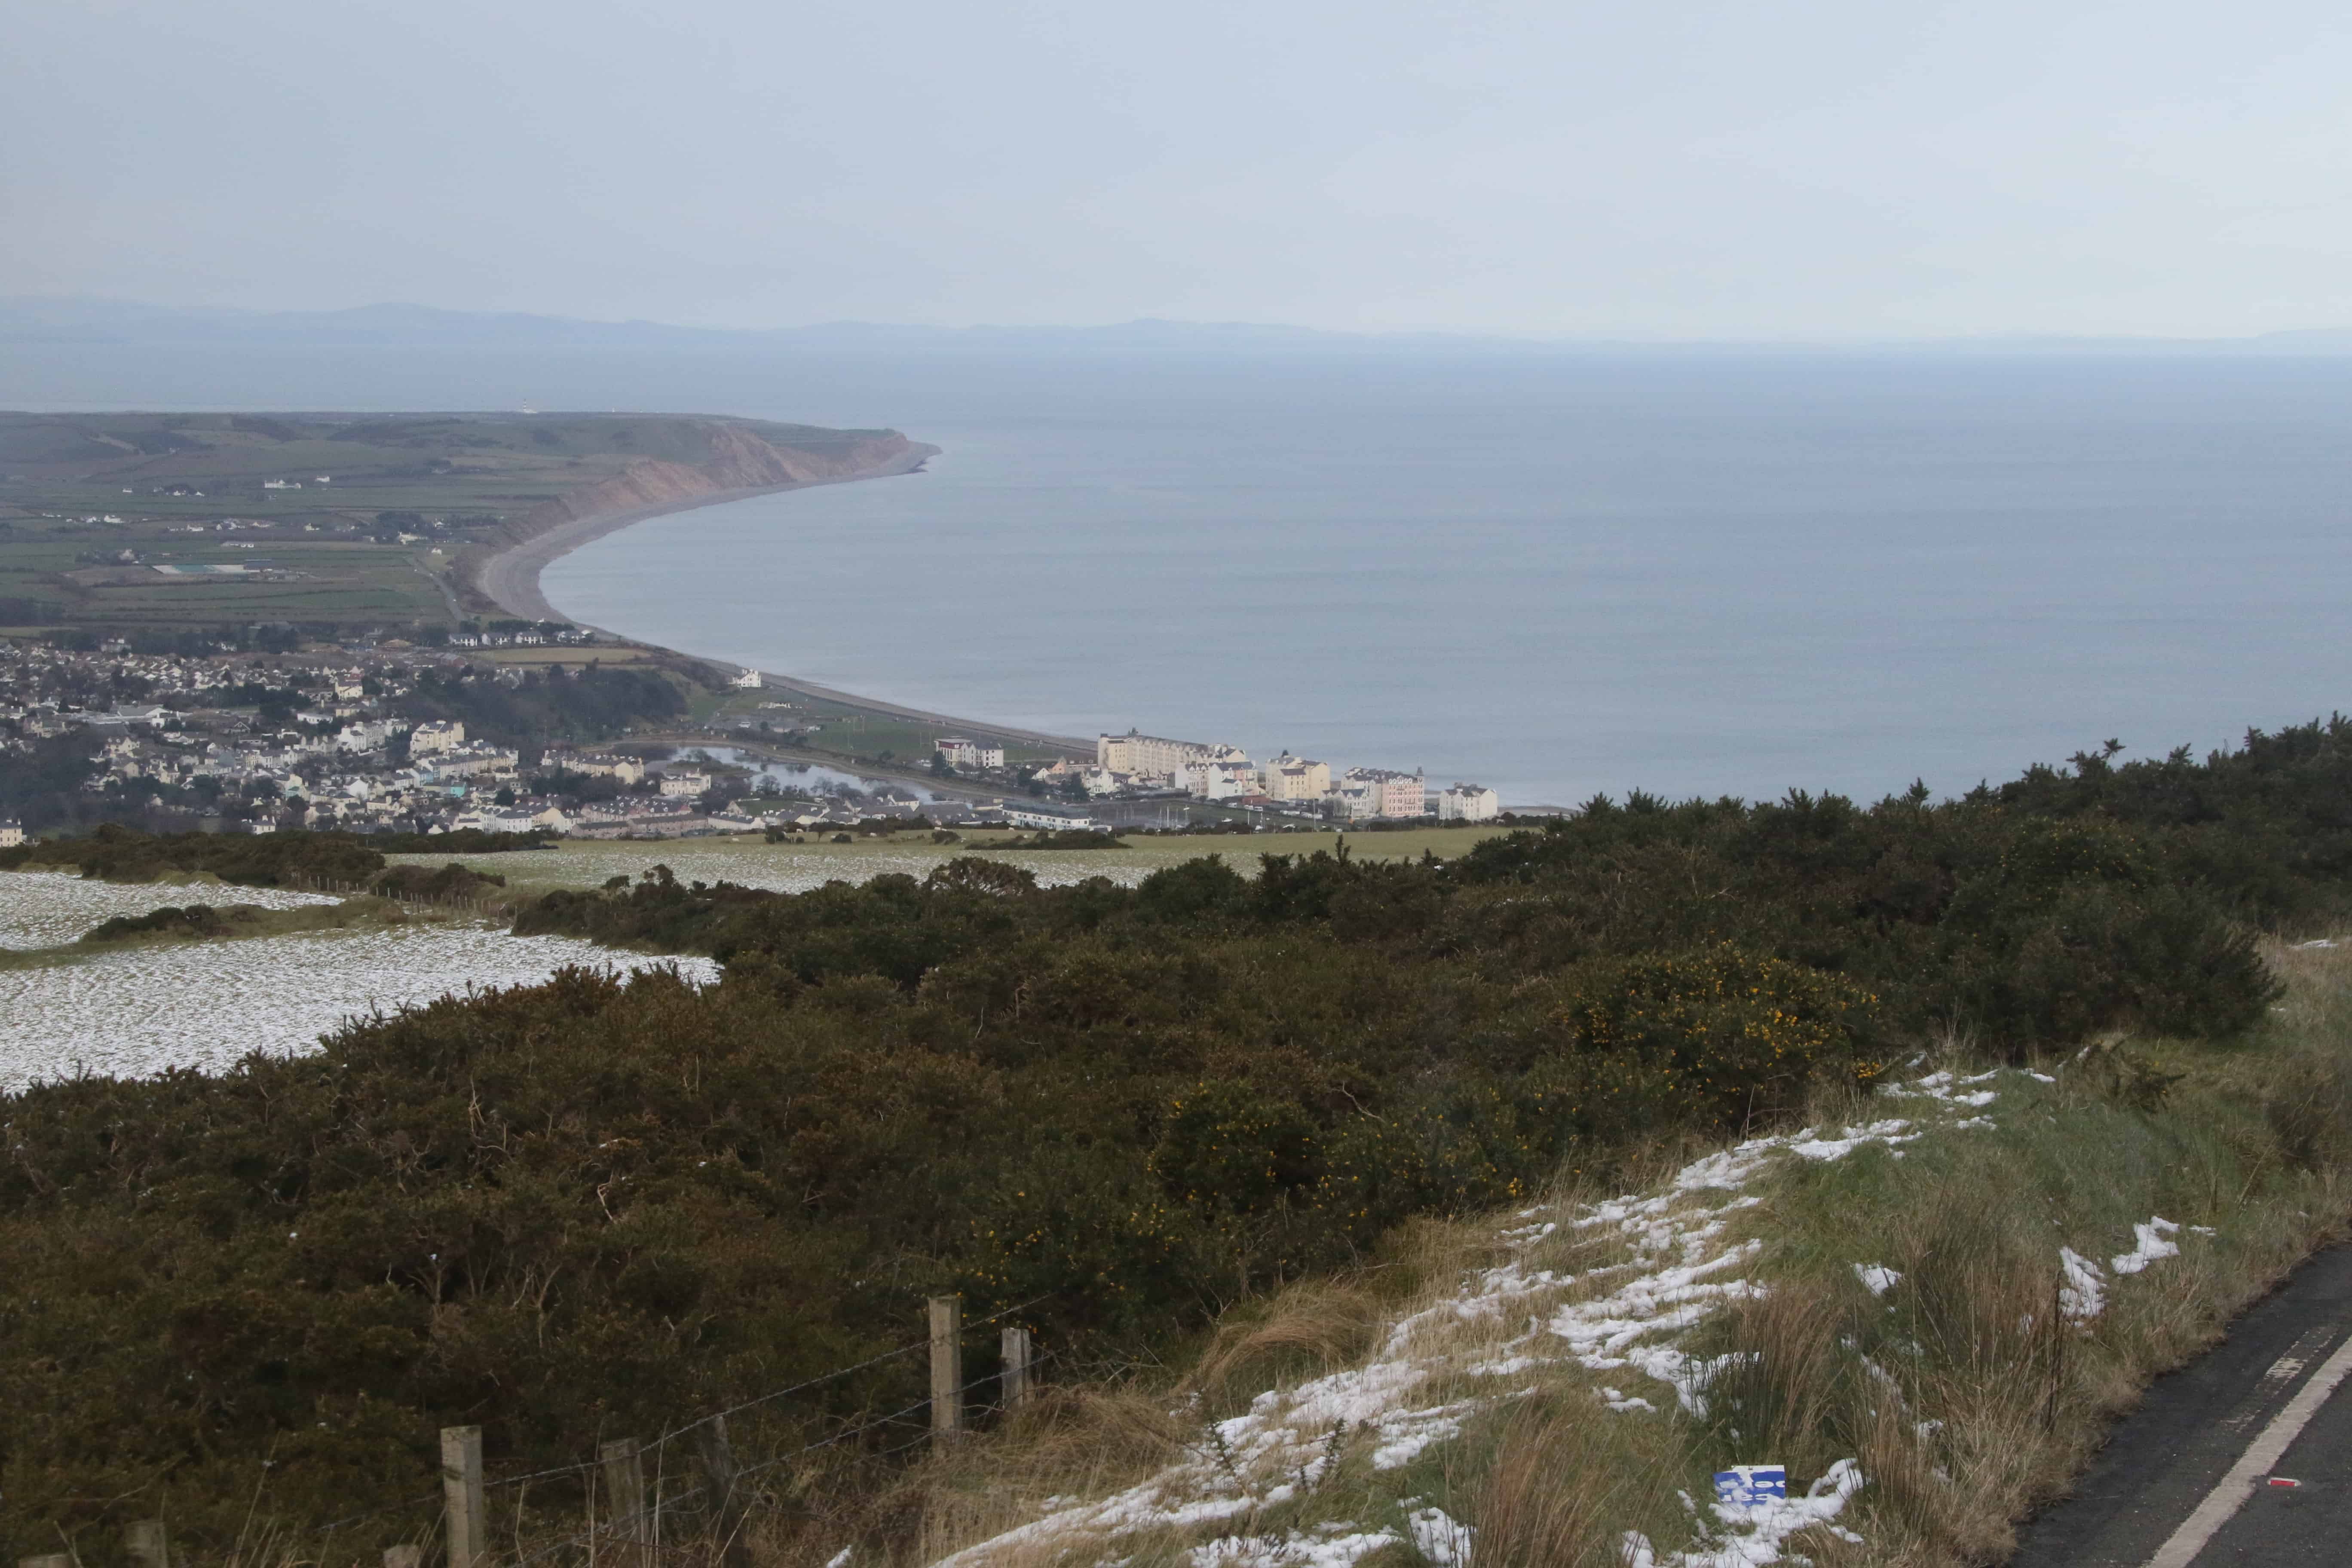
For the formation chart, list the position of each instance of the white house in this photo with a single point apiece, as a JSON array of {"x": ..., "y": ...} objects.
[
  {"x": 748, "y": 681},
  {"x": 12, "y": 833},
  {"x": 1225, "y": 778},
  {"x": 437, "y": 737},
  {"x": 962, "y": 753},
  {"x": 1353, "y": 800},
  {"x": 596, "y": 764},
  {"x": 684, "y": 783},
  {"x": 1468, "y": 802},
  {"x": 367, "y": 735}
]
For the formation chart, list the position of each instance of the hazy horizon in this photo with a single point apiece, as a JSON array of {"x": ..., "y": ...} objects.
[
  {"x": 1700, "y": 172},
  {"x": 22, "y": 315}
]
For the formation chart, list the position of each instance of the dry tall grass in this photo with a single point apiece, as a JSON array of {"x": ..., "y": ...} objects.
[{"x": 1964, "y": 1395}]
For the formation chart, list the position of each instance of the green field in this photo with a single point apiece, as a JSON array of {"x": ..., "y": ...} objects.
[
  {"x": 78, "y": 490},
  {"x": 752, "y": 861}
]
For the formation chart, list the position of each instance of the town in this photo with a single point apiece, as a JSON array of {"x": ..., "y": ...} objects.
[
  {"x": 1136, "y": 766},
  {"x": 383, "y": 736}
]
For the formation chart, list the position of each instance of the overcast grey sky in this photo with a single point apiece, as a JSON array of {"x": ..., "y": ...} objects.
[{"x": 1820, "y": 168}]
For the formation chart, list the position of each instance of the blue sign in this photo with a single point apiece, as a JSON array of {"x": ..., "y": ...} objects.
[{"x": 1752, "y": 1485}]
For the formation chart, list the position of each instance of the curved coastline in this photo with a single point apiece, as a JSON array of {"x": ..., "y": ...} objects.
[{"x": 509, "y": 578}]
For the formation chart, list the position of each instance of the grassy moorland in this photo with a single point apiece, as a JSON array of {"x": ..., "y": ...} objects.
[{"x": 1121, "y": 1114}]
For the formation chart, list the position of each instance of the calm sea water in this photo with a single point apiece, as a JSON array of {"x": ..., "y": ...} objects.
[{"x": 1696, "y": 573}]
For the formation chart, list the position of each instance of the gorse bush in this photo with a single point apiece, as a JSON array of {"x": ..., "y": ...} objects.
[
  {"x": 195, "y": 921},
  {"x": 586, "y": 1209},
  {"x": 112, "y": 852}
]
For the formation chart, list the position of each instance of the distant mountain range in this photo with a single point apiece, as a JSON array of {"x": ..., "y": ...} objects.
[{"x": 68, "y": 320}]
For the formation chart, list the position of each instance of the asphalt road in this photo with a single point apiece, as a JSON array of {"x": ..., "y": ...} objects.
[{"x": 2226, "y": 1411}]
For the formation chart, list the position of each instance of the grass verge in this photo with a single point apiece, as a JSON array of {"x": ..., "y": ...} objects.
[{"x": 1929, "y": 1305}]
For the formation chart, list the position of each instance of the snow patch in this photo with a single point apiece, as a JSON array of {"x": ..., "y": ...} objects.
[
  {"x": 1876, "y": 1278},
  {"x": 2153, "y": 1245},
  {"x": 2084, "y": 1294}
]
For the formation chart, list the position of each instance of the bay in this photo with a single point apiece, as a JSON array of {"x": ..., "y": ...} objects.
[
  {"x": 1698, "y": 576},
  {"x": 1556, "y": 573}
]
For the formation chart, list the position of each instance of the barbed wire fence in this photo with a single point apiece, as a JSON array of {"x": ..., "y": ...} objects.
[{"x": 702, "y": 1499}]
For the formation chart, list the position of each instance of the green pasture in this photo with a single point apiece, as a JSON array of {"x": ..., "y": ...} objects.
[{"x": 750, "y": 860}]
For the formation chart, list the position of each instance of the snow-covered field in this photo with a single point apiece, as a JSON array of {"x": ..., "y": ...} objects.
[
  {"x": 49, "y": 909},
  {"x": 206, "y": 1005}
]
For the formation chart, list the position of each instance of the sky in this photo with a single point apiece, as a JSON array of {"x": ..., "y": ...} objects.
[{"x": 1677, "y": 169}]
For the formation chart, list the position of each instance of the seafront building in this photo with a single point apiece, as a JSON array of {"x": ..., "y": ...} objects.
[
  {"x": 1137, "y": 764},
  {"x": 1295, "y": 779},
  {"x": 1468, "y": 802},
  {"x": 1221, "y": 778},
  {"x": 1154, "y": 756},
  {"x": 1380, "y": 792}
]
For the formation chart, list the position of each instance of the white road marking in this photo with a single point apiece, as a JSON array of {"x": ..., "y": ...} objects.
[
  {"x": 2287, "y": 1369},
  {"x": 2265, "y": 1451}
]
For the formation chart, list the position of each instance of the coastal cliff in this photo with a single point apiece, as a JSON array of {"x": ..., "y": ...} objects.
[
  {"x": 704, "y": 461},
  {"x": 739, "y": 458}
]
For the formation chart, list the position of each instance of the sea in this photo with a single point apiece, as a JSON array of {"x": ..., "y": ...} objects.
[{"x": 1558, "y": 572}]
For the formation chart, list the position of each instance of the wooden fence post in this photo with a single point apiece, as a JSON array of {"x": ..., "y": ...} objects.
[
  {"x": 947, "y": 1368},
  {"x": 149, "y": 1546},
  {"x": 727, "y": 1501},
  {"x": 1015, "y": 1344},
  {"x": 408, "y": 1556},
  {"x": 52, "y": 1560},
  {"x": 624, "y": 1493},
  {"x": 461, "y": 1493}
]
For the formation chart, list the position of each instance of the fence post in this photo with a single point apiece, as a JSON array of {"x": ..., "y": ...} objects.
[
  {"x": 624, "y": 1491},
  {"x": 1015, "y": 1344},
  {"x": 717, "y": 1457},
  {"x": 408, "y": 1556},
  {"x": 149, "y": 1546},
  {"x": 461, "y": 1492},
  {"x": 947, "y": 1370},
  {"x": 52, "y": 1560}
]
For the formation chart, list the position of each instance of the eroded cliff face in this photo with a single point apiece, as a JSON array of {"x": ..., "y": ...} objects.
[
  {"x": 739, "y": 459},
  {"x": 493, "y": 576}
]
